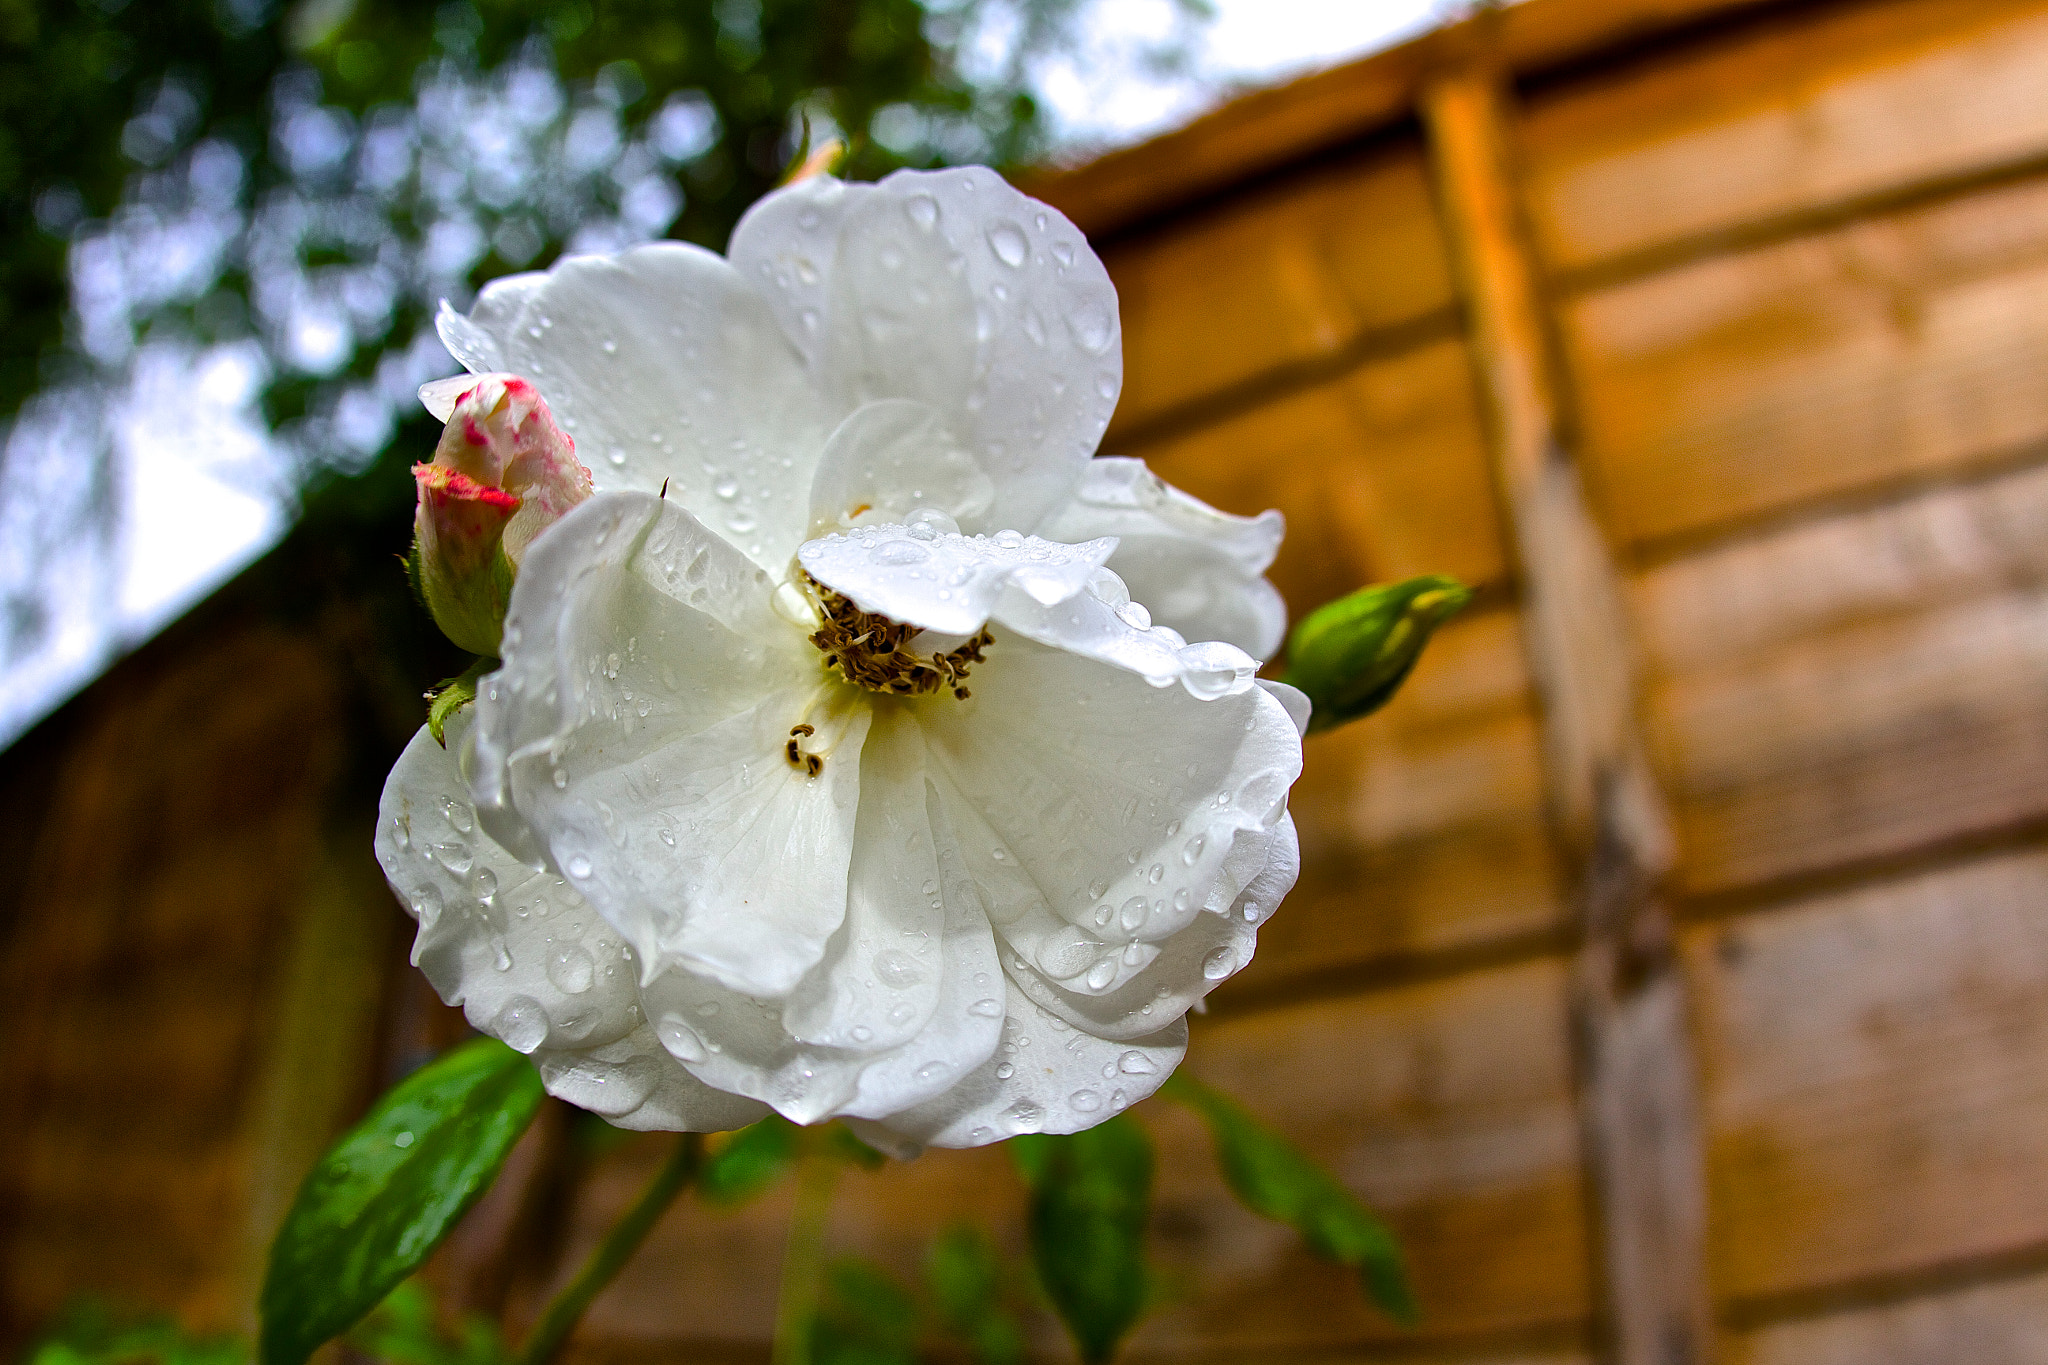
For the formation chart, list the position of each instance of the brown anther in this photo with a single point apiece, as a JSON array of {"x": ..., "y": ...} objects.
[
  {"x": 866, "y": 648},
  {"x": 813, "y": 764},
  {"x": 803, "y": 729}
]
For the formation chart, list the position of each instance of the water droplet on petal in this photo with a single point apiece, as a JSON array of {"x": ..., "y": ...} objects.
[
  {"x": 679, "y": 1038},
  {"x": 1132, "y": 915},
  {"x": 1007, "y": 241},
  {"x": 572, "y": 970},
  {"x": 1005, "y": 1071},
  {"x": 861, "y": 1033},
  {"x": 1085, "y": 1101},
  {"x": 897, "y": 969},
  {"x": 923, "y": 211},
  {"x": 578, "y": 866},
  {"x": 521, "y": 1023},
  {"x": 1101, "y": 974},
  {"x": 1217, "y": 964},
  {"x": 986, "y": 1009},
  {"x": 1136, "y": 1063}
]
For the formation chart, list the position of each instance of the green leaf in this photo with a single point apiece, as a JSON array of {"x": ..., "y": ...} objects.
[
  {"x": 452, "y": 694},
  {"x": 92, "y": 1333},
  {"x": 748, "y": 1162},
  {"x": 1351, "y": 655},
  {"x": 964, "y": 1275},
  {"x": 387, "y": 1193},
  {"x": 864, "y": 1317},
  {"x": 1270, "y": 1176},
  {"x": 1091, "y": 1194}
]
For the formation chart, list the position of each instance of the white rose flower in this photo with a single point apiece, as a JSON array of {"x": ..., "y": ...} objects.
[{"x": 848, "y": 777}]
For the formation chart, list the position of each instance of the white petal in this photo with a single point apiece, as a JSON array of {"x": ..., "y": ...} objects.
[
  {"x": 527, "y": 959},
  {"x": 438, "y": 395},
  {"x": 784, "y": 247},
  {"x": 1045, "y": 1077},
  {"x": 1103, "y": 624},
  {"x": 947, "y": 582},
  {"x": 664, "y": 366},
  {"x": 901, "y": 1007},
  {"x": 618, "y": 571},
  {"x": 1102, "y": 818},
  {"x": 713, "y": 852},
  {"x": 634, "y": 741},
  {"x": 891, "y": 458},
  {"x": 1294, "y": 700},
  {"x": 952, "y": 288},
  {"x": 1196, "y": 569}
]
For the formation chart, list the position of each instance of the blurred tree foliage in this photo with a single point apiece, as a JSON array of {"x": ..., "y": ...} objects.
[
  {"x": 267, "y": 198},
  {"x": 83, "y": 103}
]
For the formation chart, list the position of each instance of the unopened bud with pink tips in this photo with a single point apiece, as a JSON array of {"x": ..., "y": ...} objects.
[{"x": 502, "y": 474}]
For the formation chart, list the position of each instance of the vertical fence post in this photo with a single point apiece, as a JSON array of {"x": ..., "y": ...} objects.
[{"x": 1637, "y": 1077}]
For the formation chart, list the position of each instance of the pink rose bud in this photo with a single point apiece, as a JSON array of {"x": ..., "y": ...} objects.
[{"x": 502, "y": 474}]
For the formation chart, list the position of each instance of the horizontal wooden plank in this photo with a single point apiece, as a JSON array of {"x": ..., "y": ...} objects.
[
  {"x": 1382, "y": 474},
  {"x": 1318, "y": 112},
  {"x": 1939, "y": 546},
  {"x": 1874, "y": 1094},
  {"x": 1865, "y": 743},
  {"x": 1286, "y": 275},
  {"x": 1447, "y": 1105},
  {"x": 1737, "y": 387},
  {"x": 2004, "y": 1323},
  {"x": 1841, "y": 101}
]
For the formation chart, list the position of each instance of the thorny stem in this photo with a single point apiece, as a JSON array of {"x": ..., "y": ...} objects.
[
  {"x": 803, "y": 1261},
  {"x": 566, "y": 1309}
]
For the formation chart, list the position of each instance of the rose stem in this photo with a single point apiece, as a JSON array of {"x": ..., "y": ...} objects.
[
  {"x": 803, "y": 1261},
  {"x": 565, "y": 1310}
]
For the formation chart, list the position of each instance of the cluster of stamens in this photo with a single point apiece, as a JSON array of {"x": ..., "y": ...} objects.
[{"x": 869, "y": 650}]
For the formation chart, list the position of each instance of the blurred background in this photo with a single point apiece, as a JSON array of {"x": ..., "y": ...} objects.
[{"x": 1669, "y": 964}]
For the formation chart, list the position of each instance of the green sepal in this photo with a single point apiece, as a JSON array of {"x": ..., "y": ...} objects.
[
  {"x": 1351, "y": 655},
  {"x": 382, "y": 1198},
  {"x": 1271, "y": 1177},
  {"x": 452, "y": 694},
  {"x": 1091, "y": 1196}
]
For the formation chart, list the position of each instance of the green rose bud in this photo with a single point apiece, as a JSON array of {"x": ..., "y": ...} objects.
[{"x": 1351, "y": 655}]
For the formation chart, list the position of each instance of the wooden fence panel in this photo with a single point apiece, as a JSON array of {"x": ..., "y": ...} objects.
[
  {"x": 1805, "y": 109},
  {"x": 1874, "y": 1091},
  {"x": 1745, "y": 385}
]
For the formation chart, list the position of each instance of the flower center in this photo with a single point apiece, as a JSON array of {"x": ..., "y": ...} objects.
[{"x": 871, "y": 651}]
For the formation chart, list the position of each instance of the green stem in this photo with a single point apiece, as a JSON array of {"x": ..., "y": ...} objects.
[
  {"x": 566, "y": 1309},
  {"x": 803, "y": 1261}
]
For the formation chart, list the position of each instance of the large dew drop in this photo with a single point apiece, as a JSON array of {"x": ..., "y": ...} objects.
[
  {"x": 521, "y": 1023},
  {"x": 1007, "y": 241}
]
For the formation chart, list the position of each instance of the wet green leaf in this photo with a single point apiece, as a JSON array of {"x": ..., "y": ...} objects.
[
  {"x": 1270, "y": 1176},
  {"x": 1091, "y": 1193},
  {"x": 385, "y": 1195}
]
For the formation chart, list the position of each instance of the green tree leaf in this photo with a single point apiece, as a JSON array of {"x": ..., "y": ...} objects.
[
  {"x": 964, "y": 1275},
  {"x": 387, "y": 1193},
  {"x": 1091, "y": 1193},
  {"x": 1351, "y": 655},
  {"x": 1270, "y": 1176},
  {"x": 748, "y": 1162}
]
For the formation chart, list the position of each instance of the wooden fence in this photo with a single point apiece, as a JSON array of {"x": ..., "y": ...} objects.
[{"x": 1670, "y": 962}]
